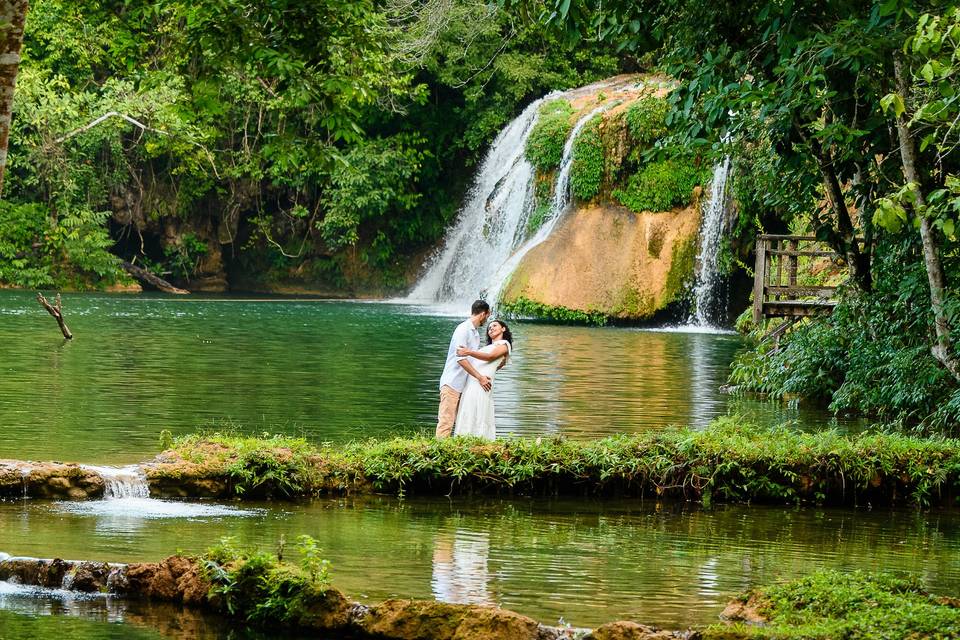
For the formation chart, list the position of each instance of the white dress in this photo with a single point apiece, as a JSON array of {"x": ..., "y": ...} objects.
[{"x": 475, "y": 413}]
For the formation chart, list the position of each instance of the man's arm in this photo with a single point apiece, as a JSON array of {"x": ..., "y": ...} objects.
[{"x": 482, "y": 379}]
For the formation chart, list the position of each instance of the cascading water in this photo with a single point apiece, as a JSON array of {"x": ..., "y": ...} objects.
[
  {"x": 561, "y": 201},
  {"x": 122, "y": 482},
  {"x": 707, "y": 301},
  {"x": 486, "y": 231},
  {"x": 489, "y": 239}
]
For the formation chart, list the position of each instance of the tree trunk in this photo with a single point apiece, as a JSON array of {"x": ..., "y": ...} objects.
[
  {"x": 12, "y": 16},
  {"x": 844, "y": 237},
  {"x": 942, "y": 350}
]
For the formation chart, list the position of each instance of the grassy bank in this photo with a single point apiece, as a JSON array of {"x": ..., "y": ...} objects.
[
  {"x": 830, "y": 604},
  {"x": 729, "y": 461}
]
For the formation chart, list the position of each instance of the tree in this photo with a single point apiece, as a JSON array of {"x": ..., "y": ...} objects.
[{"x": 13, "y": 13}]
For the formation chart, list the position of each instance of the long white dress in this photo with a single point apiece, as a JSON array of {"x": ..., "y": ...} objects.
[{"x": 475, "y": 413}]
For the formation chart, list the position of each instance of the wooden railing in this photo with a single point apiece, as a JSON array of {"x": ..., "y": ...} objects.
[{"x": 776, "y": 290}]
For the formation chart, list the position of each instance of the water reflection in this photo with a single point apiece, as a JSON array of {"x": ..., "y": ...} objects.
[
  {"x": 588, "y": 563},
  {"x": 328, "y": 370},
  {"x": 460, "y": 573}
]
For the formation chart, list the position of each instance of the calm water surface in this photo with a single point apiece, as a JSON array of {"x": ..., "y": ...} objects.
[
  {"x": 587, "y": 562},
  {"x": 328, "y": 370}
]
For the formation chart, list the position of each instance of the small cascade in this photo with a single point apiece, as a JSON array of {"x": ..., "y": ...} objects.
[
  {"x": 122, "y": 482},
  {"x": 707, "y": 289},
  {"x": 561, "y": 202},
  {"x": 485, "y": 234}
]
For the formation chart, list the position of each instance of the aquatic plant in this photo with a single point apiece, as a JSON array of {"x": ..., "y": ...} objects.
[
  {"x": 261, "y": 587},
  {"x": 730, "y": 461},
  {"x": 852, "y": 605}
]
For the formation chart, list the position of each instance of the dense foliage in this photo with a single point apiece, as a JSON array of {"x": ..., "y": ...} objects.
[
  {"x": 545, "y": 144},
  {"x": 843, "y": 122},
  {"x": 661, "y": 185},
  {"x": 290, "y": 140},
  {"x": 586, "y": 169},
  {"x": 729, "y": 461}
]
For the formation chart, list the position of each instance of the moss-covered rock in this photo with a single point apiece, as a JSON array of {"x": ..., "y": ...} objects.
[{"x": 427, "y": 620}]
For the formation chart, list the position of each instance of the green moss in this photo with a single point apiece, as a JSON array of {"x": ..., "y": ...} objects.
[
  {"x": 545, "y": 143},
  {"x": 524, "y": 307},
  {"x": 634, "y": 305},
  {"x": 682, "y": 265},
  {"x": 647, "y": 119},
  {"x": 729, "y": 461},
  {"x": 586, "y": 172},
  {"x": 661, "y": 186},
  {"x": 855, "y": 605}
]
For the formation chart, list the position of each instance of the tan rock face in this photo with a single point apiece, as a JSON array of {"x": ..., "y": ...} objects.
[{"x": 608, "y": 259}]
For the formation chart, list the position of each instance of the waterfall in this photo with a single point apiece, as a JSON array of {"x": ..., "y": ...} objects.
[
  {"x": 496, "y": 209},
  {"x": 707, "y": 301},
  {"x": 489, "y": 238},
  {"x": 561, "y": 201},
  {"x": 122, "y": 482}
]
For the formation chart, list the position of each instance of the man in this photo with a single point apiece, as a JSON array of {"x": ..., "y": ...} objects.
[{"x": 458, "y": 368}]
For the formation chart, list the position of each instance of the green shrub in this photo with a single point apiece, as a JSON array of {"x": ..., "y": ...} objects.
[
  {"x": 260, "y": 587},
  {"x": 870, "y": 356},
  {"x": 647, "y": 119},
  {"x": 36, "y": 251},
  {"x": 661, "y": 186},
  {"x": 545, "y": 143},
  {"x": 586, "y": 173},
  {"x": 526, "y": 308},
  {"x": 852, "y": 605}
]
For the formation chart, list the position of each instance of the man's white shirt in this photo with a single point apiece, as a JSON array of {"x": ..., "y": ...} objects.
[{"x": 455, "y": 376}]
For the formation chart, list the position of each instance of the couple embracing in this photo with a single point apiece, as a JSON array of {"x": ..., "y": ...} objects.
[{"x": 466, "y": 385}]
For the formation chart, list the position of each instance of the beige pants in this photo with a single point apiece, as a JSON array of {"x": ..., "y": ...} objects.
[{"x": 447, "y": 415}]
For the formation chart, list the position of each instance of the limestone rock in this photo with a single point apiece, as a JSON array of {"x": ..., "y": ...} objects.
[
  {"x": 740, "y": 611},
  {"x": 428, "y": 620},
  {"x": 610, "y": 260},
  {"x": 625, "y": 630}
]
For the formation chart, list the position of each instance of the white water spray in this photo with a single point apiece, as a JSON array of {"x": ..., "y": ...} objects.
[
  {"x": 707, "y": 302},
  {"x": 122, "y": 482}
]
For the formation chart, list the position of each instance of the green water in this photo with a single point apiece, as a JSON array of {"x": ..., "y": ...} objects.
[
  {"x": 329, "y": 370},
  {"x": 587, "y": 562}
]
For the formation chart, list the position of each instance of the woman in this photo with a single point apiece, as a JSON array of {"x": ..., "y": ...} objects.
[{"x": 475, "y": 413}]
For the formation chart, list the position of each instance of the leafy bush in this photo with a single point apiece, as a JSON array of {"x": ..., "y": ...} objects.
[
  {"x": 262, "y": 588},
  {"x": 871, "y": 356},
  {"x": 586, "y": 172},
  {"x": 545, "y": 143},
  {"x": 526, "y": 308},
  {"x": 661, "y": 186},
  {"x": 647, "y": 119},
  {"x": 854, "y": 605},
  {"x": 37, "y": 252}
]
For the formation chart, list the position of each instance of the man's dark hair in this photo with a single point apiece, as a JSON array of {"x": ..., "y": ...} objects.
[{"x": 479, "y": 306}]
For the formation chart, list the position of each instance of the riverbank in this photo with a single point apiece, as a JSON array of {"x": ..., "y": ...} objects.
[
  {"x": 264, "y": 590},
  {"x": 729, "y": 462}
]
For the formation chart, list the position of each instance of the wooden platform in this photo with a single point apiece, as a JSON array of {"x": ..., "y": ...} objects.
[{"x": 777, "y": 291}]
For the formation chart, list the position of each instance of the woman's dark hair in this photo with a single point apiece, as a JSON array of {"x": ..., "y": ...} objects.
[{"x": 507, "y": 335}]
